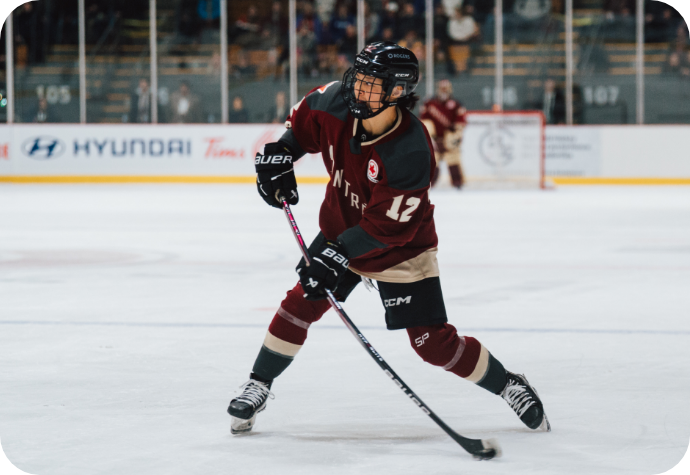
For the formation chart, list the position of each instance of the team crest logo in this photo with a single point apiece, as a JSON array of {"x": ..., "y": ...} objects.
[{"x": 373, "y": 171}]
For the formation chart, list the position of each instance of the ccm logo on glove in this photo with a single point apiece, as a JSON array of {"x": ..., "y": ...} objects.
[{"x": 273, "y": 159}]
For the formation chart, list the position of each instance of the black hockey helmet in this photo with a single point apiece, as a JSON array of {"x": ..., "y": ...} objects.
[{"x": 395, "y": 65}]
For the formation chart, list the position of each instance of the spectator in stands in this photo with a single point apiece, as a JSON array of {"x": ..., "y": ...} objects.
[
  {"x": 441, "y": 39},
  {"x": 553, "y": 103},
  {"x": 413, "y": 43},
  {"x": 339, "y": 23},
  {"x": 243, "y": 69},
  {"x": 661, "y": 23},
  {"x": 209, "y": 12},
  {"x": 306, "y": 50},
  {"x": 247, "y": 28},
  {"x": 214, "y": 65},
  {"x": 407, "y": 21},
  {"x": 275, "y": 30},
  {"x": 28, "y": 34},
  {"x": 618, "y": 8},
  {"x": 347, "y": 46},
  {"x": 387, "y": 34},
  {"x": 673, "y": 63},
  {"x": 678, "y": 63},
  {"x": 96, "y": 23},
  {"x": 529, "y": 11},
  {"x": 185, "y": 106},
  {"x": 325, "y": 9},
  {"x": 462, "y": 28},
  {"x": 279, "y": 112},
  {"x": 43, "y": 113},
  {"x": 372, "y": 21},
  {"x": 140, "y": 104},
  {"x": 449, "y": 6},
  {"x": 390, "y": 19},
  {"x": 238, "y": 114},
  {"x": 308, "y": 16},
  {"x": 620, "y": 20}
]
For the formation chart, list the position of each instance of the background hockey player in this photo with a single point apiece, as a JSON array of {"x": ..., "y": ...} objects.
[
  {"x": 444, "y": 118},
  {"x": 376, "y": 222}
]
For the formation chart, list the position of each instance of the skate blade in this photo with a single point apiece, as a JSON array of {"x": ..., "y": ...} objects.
[
  {"x": 241, "y": 426},
  {"x": 545, "y": 426}
]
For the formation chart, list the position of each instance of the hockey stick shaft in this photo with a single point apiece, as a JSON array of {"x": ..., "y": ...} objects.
[{"x": 479, "y": 448}]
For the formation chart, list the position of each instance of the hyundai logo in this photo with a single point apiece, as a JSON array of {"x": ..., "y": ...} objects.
[{"x": 43, "y": 148}]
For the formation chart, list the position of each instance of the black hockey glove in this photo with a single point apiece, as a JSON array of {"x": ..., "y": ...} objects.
[
  {"x": 327, "y": 269},
  {"x": 275, "y": 174}
]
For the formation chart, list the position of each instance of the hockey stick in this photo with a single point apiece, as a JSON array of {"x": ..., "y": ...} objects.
[{"x": 482, "y": 449}]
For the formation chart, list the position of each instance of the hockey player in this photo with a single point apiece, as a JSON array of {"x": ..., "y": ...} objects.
[
  {"x": 376, "y": 222},
  {"x": 444, "y": 118}
]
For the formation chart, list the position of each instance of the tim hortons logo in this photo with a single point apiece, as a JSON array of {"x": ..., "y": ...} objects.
[
  {"x": 5, "y": 151},
  {"x": 217, "y": 151},
  {"x": 373, "y": 171}
]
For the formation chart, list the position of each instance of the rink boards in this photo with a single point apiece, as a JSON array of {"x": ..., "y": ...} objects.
[{"x": 224, "y": 153}]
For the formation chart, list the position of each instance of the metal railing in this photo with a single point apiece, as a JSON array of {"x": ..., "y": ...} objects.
[{"x": 293, "y": 77}]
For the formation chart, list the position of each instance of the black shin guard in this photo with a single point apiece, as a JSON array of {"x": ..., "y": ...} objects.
[
  {"x": 495, "y": 378},
  {"x": 269, "y": 365}
]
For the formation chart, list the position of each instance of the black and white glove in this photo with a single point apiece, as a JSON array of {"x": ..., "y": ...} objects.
[
  {"x": 275, "y": 175},
  {"x": 327, "y": 269}
]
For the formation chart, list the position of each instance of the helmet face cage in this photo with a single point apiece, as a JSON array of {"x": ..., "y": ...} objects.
[
  {"x": 360, "y": 95},
  {"x": 381, "y": 70}
]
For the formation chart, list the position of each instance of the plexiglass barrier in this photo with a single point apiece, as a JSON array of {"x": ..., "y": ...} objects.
[{"x": 189, "y": 57}]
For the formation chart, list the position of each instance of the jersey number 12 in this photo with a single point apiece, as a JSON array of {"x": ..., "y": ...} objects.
[{"x": 392, "y": 213}]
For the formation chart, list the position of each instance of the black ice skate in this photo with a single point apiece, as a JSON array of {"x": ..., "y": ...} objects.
[
  {"x": 244, "y": 408},
  {"x": 524, "y": 400}
]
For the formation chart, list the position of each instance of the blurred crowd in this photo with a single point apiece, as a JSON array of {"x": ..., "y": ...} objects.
[
  {"x": 326, "y": 29},
  {"x": 326, "y": 38}
]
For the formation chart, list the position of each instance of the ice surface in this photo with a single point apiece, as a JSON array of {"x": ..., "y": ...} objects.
[{"x": 129, "y": 316}]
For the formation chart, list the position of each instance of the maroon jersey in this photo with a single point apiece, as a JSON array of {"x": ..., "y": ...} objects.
[
  {"x": 446, "y": 115},
  {"x": 377, "y": 203}
]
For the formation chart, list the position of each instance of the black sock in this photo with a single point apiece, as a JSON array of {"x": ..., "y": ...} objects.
[
  {"x": 269, "y": 365},
  {"x": 495, "y": 378}
]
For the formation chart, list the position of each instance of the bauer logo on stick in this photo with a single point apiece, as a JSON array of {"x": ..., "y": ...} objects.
[{"x": 373, "y": 171}]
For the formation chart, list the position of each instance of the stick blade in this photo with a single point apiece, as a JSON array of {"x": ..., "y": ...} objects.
[{"x": 490, "y": 449}]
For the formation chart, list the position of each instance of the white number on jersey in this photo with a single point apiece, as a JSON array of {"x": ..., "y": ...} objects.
[{"x": 412, "y": 202}]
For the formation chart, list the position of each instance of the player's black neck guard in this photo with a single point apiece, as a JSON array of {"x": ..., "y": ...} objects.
[{"x": 363, "y": 110}]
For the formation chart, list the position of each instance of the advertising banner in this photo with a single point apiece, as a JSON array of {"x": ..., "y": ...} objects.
[
  {"x": 225, "y": 153},
  {"x": 573, "y": 151},
  {"x": 136, "y": 150}
]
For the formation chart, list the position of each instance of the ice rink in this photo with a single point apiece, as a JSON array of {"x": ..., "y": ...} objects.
[{"x": 131, "y": 314}]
